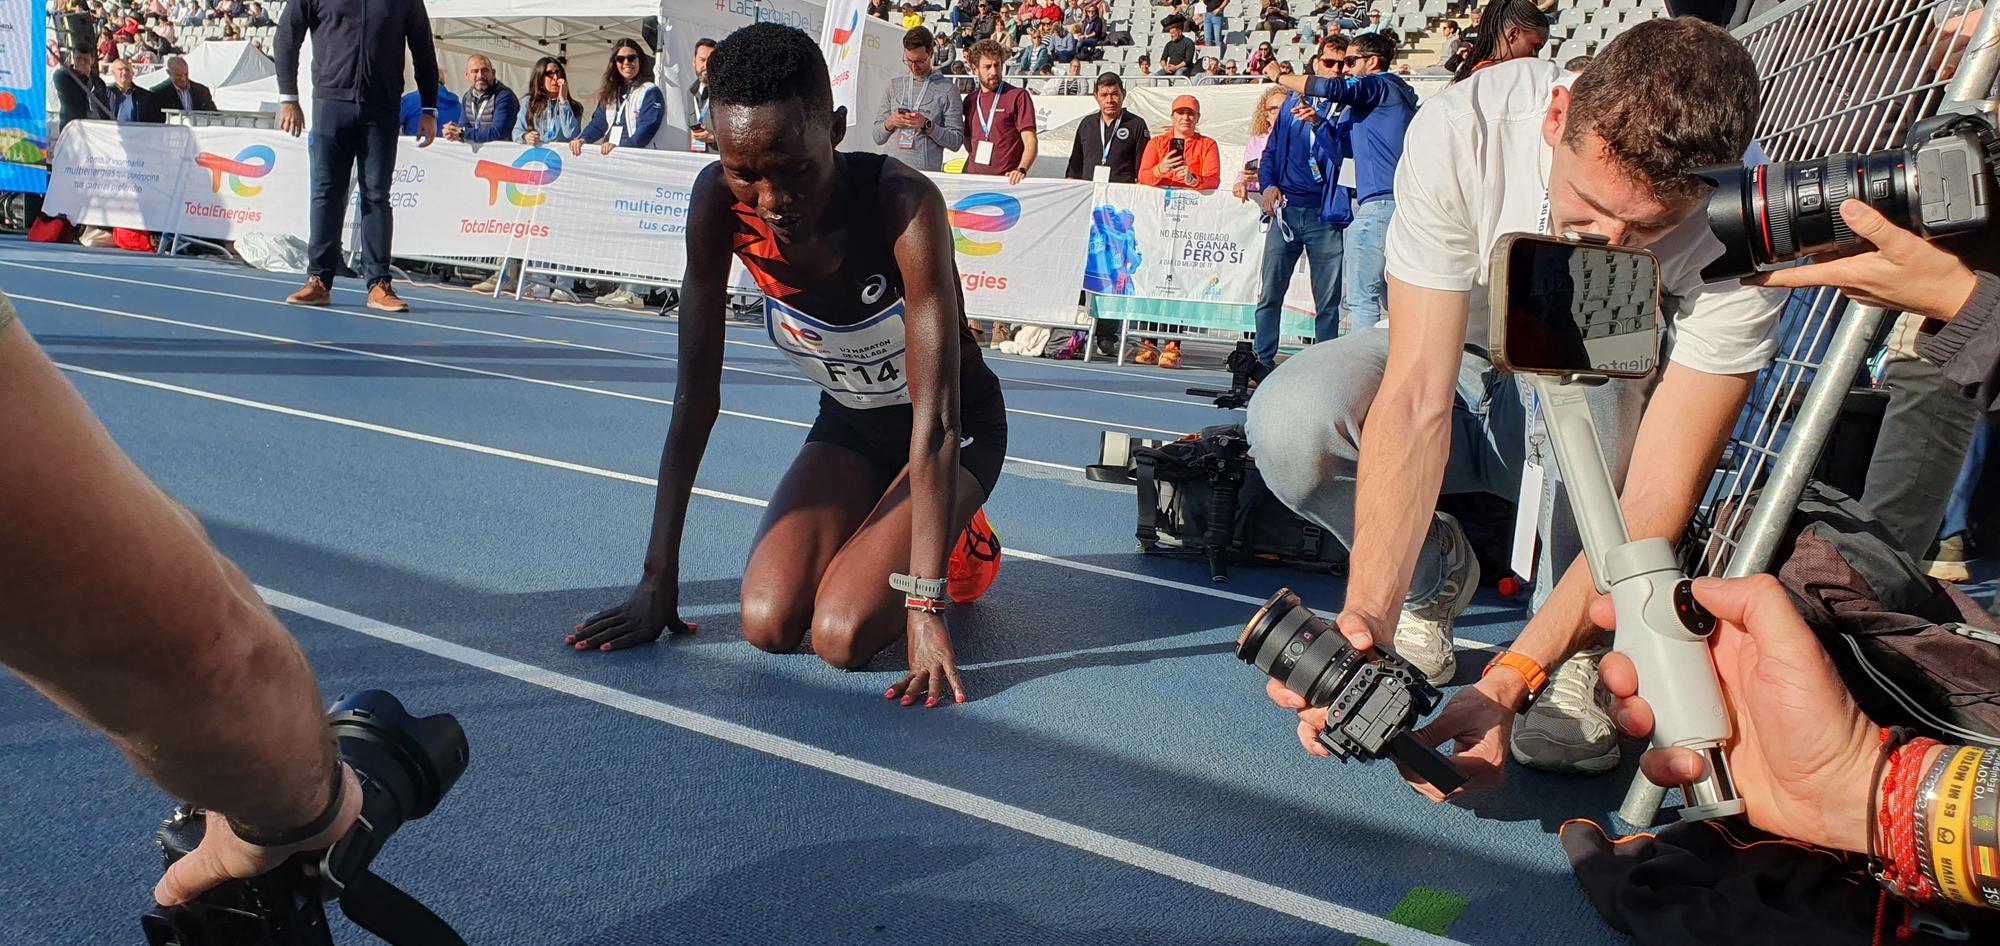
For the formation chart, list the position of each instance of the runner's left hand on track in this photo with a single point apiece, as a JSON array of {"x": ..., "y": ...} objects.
[
  {"x": 933, "y": 676},
  {"x": 639, "y": 620}
]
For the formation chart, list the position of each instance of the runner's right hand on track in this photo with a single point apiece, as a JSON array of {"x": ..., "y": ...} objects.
[{"x": 639, "y": 620}]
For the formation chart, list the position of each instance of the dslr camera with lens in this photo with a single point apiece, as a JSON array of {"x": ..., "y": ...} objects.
[
  {"x": 1372, "y": 698},
  {"x": 1942, "y": 184},
  {"x": 406, "y": 764}
]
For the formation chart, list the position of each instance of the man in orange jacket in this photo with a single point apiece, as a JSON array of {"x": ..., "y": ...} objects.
[{"x": 1195, "y": 162}]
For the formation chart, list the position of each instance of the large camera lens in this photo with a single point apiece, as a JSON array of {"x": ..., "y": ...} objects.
[
  {"x": 1778, "y": 212},
  {"x": 1296, "y": 648},
  {"x": 406, "y": 763}
]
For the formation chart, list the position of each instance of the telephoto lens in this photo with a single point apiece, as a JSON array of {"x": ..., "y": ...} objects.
[{"x": 1372, "y": 699}]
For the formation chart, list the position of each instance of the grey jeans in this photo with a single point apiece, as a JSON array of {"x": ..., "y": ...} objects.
[{"x": 1305, "y": 431}]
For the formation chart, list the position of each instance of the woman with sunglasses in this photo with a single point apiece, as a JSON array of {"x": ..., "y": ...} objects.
[
  {"x": 628, "y": 113},
  {"x": 1269, "y": 105},
  {"x": 551, "y": 115},
  {"x": 876, "y": 527},
  {"x": 629, "y": 105}
]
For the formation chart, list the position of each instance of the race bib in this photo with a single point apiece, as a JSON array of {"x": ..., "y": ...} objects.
[{"x": 862, "y": 366}]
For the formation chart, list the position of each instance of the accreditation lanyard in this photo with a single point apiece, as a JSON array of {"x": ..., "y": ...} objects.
[
  {"x": 1528, "y": 506},
  {"x": 1312, "y": 140},
  {"x": 1105, "y": 158},
  {"x": 986, "y": 120}
]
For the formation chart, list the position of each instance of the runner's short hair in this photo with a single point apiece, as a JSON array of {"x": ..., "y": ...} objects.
[{"x": 769, "y": 63}]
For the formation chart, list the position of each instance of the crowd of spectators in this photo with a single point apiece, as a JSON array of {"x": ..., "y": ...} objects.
[{"x": 147, "y": 32}]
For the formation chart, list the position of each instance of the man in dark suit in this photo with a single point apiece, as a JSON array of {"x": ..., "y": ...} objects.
[
  {"x": 79, "y": 88},
  {"x": 180, "y": 93}
]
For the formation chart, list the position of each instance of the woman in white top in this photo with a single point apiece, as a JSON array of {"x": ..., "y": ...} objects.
[{"x": 629, "y": 109}]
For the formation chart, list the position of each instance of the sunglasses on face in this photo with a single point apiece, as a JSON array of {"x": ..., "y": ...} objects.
[
  {"x": 553, "y": 73},
  {"x": 1331, "y": 63},
  {"x": 624, "y": 59}
]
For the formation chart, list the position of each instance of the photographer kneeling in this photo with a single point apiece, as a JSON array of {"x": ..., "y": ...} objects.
[
  {"x": 1361, "y": 434},
  {"x": 120, "y": 611}
]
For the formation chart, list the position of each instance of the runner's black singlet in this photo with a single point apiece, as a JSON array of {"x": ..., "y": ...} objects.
[{"x": 845, "y": 332}]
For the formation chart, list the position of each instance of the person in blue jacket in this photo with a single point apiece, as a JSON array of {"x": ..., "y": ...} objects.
[
  {"x": 1304, "y": 206},
  {"x": 1379, "y": 108},
  {"x": 488, "y": 106},
  {"x": 628, "y": 113},
  {"x": 448, "y": 107}
]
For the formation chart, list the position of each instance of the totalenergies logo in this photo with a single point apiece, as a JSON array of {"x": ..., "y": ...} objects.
[
  {"x": 842, "y": 37},
  {"x": 803, "y": 336},
  {"x": 523, "y": 173},
  {"x": 984, "y": 212},
  {"x": 249, "y": 164}
]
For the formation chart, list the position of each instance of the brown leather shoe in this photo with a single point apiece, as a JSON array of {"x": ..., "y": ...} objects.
[
  {"x": 383, "y": 296},
  {"x": 315, "y": 292}
]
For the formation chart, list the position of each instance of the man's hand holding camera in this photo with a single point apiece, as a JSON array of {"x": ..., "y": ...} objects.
[{"x": 223, "y": 856}]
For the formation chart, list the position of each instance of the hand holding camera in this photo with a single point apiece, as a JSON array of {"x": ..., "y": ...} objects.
[{"x": 1903, "y": 272}]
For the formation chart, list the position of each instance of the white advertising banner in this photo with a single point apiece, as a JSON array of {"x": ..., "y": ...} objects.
[
  {"x": 1020, "y": 248},
  {"x": 1165, "y": 243},
  {"x": 842, "y": 43}
]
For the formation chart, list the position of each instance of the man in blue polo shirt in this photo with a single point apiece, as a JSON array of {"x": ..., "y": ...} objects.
[
  {"x": 1306, "y": 207},
  {"x": 1379, "y": 108}
]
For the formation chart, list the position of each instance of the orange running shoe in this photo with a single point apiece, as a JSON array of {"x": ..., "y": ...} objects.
[{"x": 975, "y": 561}]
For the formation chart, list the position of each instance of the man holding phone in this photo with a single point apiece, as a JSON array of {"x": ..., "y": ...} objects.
[
  {"x": 1361, "y": 434},
  {"x": 920, "y": 112}
]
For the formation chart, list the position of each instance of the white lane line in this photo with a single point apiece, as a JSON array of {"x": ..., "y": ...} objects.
[
  {"x": 586, "y": 389},
  {"x": 1277, "y": 899},
  {"x": 505, "y": 454},
  {"x": 561, "y": 343}
]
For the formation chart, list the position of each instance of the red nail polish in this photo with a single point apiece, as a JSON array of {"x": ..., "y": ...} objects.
[
  {"x": 890, "y": 693},
  {"x": 930, "y": 702},
  {"x": 961, "y": 698}
]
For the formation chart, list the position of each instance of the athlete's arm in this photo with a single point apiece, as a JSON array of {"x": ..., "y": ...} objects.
[
  {"x": 931, "y": 317},
  {"x": 697, "y": 400}
]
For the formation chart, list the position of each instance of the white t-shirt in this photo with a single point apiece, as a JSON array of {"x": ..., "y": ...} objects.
[{"x": 1475, "y": 167}]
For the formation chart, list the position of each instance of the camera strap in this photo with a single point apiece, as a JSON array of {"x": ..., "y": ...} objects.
[
  {"x": 1534, "y": 473},
  {"x": 395, "y": 917}
]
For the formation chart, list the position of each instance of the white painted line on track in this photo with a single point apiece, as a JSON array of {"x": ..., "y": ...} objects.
[
  {"x": 329, "y": 346},
  {"x": 1277, "y": 899},
  {"x": 561, "y": 343},
  {"x": 1086, "y": 567}
]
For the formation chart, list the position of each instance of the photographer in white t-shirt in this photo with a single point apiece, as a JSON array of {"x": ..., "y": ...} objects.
[{"x": 1360, "y": 434}]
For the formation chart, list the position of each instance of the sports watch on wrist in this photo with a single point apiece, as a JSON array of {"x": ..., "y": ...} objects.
[
  {"x": 1529, "y": 670},
  {"x": 920, "y": 594}
]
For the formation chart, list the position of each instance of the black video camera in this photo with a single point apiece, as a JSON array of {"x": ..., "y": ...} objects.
[
  {"x": 405, "y": 765},
  {"x": 1372, "y": 699},
  {"x": 1942, "y": 184},
  {"x": 1243, "y": 369}
]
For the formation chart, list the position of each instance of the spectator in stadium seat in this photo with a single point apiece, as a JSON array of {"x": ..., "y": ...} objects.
[
  {"x": 920, "y": 111},
  {"x": 911, "y": 18},
  {"x": 880, "y": 9},
  {"x": 1508, "y": 29},
  {"x": 448, "y": 109},
  {"x": 985, "y": 23},
  {"x": 1067, "y": 44},
  {"x": 1374, "y": 24},
  {"x": 1069, "y": 83},
  {"x": 80, "y": 91},
  {"x": 1523, "y": 146},
  {"x": 1276, "y": 16},
  {"x": 1259, "y": 59},
  {"x": 180, "y": 92},
  {"x": 1211, "y": 71},
  {"x": 1090, "y": 35},
  {"x": 257, "y": 15},
  {"x": 1051, "y": 14},
  {"x": 1379, "y": 107},
  {"x": 1300, "y": 173},
  {"x": 1449, "y": 49},
  {"x": 1177, "y": 58},
  {"x": 1230, "y": 69},
  {"x": 963, "y": 12},
  {"x": 488, "y": 108},
  {"x": 1144, "y": 66},
  {"x": 1262, "y": 118},
  {"x": 944, "y": 52},
  {"x": 627, "y": 115},
  {"x": 701, "y": 138},
  {"x": 1197, "y": 164}
]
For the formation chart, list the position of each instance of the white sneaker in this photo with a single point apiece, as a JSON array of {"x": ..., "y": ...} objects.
[
  {"x": 621, "y": 298},
  {"x": 1569, "y": 728},
  {"x": 1423, "y": 633}
]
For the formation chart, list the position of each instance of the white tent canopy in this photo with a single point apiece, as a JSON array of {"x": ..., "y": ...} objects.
[{"x": 218, "y": 64}]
